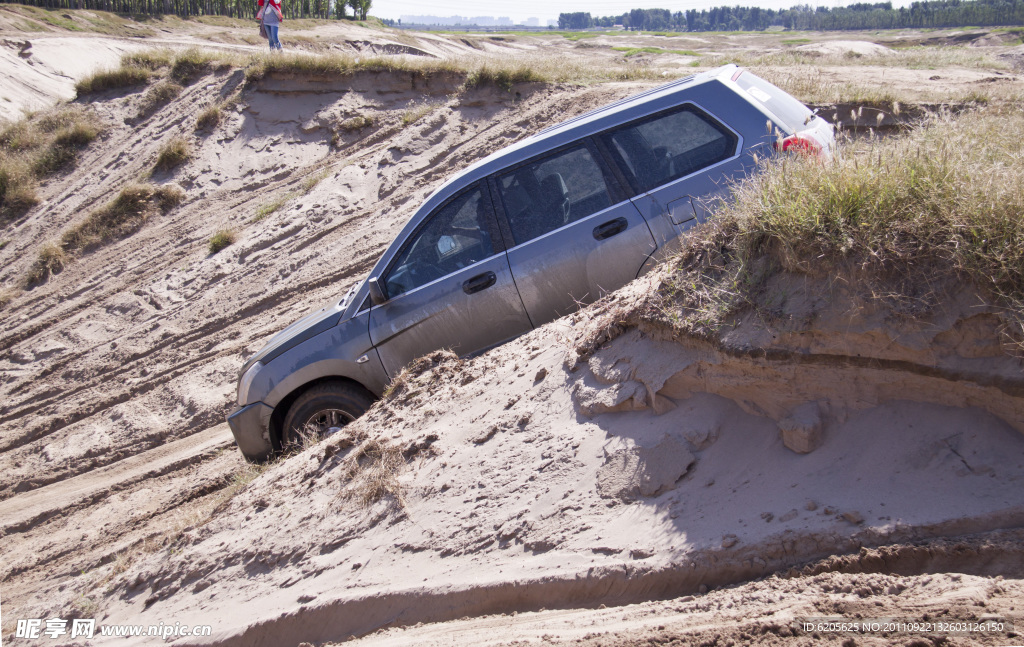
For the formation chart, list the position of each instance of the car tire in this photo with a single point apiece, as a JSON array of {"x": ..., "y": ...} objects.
[{"x": 324, "y": 409}]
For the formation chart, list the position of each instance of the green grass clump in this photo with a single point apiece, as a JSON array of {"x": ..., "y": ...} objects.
[
  {"x": 417, "y": 112},
  {"x": 504, "y": 76},
  {"x": 633, "y": 51},
  {"x": 268, "y": 208},
  {"x": 356, "y": 123},
  {"x": 125, "y": 76},
  {"x": 175, "y": 152},
  {"x": 943, "y": 202},
  {"x": 310, "y": 182},
  {"x": 577, "y": 35},
  {"x": 796, "y": 41},
  {"x": 222, "y": 239}
]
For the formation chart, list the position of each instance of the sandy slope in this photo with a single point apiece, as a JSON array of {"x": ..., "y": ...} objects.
[
  {"x": 539, "y": 491},
  {"x": 531, "y": 479}
]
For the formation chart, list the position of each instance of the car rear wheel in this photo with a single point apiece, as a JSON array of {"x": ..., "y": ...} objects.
[{"x": 323, "y": 410}]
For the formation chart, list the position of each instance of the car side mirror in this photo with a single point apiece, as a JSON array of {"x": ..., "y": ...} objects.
[{"x": 377, "y": 295}]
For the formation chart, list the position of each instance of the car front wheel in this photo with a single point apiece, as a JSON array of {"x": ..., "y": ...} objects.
[{"x": 322, "y": 410}]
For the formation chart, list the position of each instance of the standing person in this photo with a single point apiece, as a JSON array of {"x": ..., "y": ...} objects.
[{"x": 271, "y": 16}]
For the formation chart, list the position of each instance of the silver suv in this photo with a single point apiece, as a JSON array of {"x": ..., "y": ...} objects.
[{"x": 522, "y": 238}]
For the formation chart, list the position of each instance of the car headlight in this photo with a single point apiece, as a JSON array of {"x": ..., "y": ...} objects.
[{"x": 245, "y": 382}]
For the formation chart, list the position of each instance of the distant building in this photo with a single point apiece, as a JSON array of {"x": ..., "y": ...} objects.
[{"x": 533, "y": 22}]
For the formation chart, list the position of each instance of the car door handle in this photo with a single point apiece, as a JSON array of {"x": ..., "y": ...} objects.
[
  {"x": 479, "y": 282},
  {"x": 610, "y": 228}
]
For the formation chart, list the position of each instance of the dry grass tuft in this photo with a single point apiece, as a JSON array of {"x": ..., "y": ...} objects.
[
  {"x": 209, "y": 118},
  {"x": 505, "y": 75},
  {"x": 6, "y": 296},
  {"x": 121, "y": 217},
  {"x": 175, "y": 152},
  {"x": 51, "y": 260},
  {"x": 407, "y": 385},
  {"x": 943, "y": 202},
  {"x": 17, "y": 188},
  {"x": 192, "y": 62},
  {"x": 150, "y": 59},
  {"x": 168, "y": 196},
  {"x": 372, "y": 473},
  {"x": 417, "y": 112},
  {"x": 36, "y": 147},
  {"x": 356, "y": 123},
  {"x": 158, "y": 96},
  {"x": 222, "y": 239},
  {"x": 126, "y": 76},
  {"x": 337, "y": 65}
]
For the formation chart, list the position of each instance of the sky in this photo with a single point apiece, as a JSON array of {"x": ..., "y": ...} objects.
[{"x": 549, "y": 9}]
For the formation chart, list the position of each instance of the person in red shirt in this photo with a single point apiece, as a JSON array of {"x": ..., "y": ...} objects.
[{"x": 271, "y": 16}]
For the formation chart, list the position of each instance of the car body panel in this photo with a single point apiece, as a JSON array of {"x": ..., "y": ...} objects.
[
  {"x": 562, "y": 269},
  {"x": 441, "y": 314},
  {"x": 250, "y": 426},
  {"x": 335, "y": 352}
]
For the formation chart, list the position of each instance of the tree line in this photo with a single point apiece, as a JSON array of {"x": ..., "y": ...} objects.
[
  {"x": 325, "y": 9},
  {"x": 862, "y": 15}
]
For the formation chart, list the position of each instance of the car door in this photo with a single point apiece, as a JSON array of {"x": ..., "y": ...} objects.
[
  {"x": 678, "y": 163},
  {"x": 573, "y": 236},
  {"x": 449, "y": 286}
]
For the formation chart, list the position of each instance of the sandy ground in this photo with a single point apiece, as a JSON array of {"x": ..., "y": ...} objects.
[{"x": 528, "y": 486}]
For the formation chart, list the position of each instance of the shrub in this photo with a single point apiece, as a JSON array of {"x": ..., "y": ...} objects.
[
  {"x": 174, "y": 153},
  {"x": 222, "y": 239}
]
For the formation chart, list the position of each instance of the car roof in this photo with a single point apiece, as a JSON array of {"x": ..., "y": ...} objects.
[{"x": 567, "y": 131}]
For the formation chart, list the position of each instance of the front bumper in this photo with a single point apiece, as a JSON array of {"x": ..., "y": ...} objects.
[{"x": 251, "y": 428}]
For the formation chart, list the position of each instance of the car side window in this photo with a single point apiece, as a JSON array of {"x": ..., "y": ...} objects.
[
  {"x": 544, "y": 195},
  {"x": 455, "y": 236},
  {"x": 667, "y": 147}
]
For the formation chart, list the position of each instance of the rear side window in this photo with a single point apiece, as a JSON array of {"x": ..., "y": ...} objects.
[
  {"x": 669, "y": 146},
  {"x": 544, "y": 195},
  {"x": 791, "y": 112}
]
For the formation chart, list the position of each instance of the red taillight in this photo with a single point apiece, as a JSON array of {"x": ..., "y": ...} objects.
[
  {"x": 737, "y": 74},
  {"x": 799, "y": 143}
]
